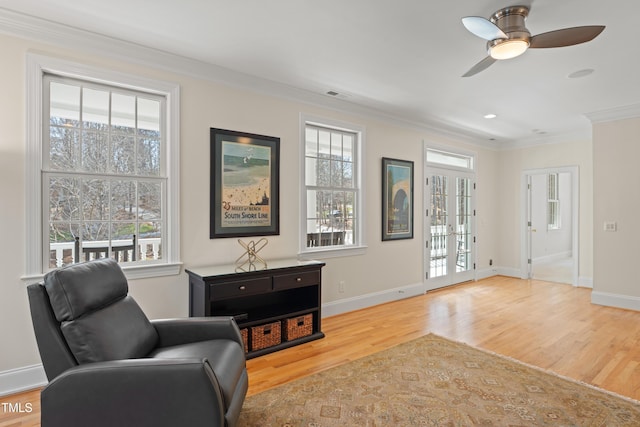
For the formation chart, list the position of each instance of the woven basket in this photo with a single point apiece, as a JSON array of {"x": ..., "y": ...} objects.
[
  {"x": 298, "y": 327},
  {"x": 264, "y": 336},
  {"x": 245, "y": 339}
]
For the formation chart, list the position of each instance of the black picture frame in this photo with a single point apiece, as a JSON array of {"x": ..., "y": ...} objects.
[
  {"x": 397, "y": 199},
  {"x": 245, "y": 184}
]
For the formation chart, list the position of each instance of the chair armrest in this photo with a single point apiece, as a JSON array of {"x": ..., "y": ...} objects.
[
  {"x": 193, "y": 329},
  {"x": 135, "y": 392}
]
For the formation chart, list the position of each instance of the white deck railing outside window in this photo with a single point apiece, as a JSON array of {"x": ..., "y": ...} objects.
[{"x": 148, "y": 248}]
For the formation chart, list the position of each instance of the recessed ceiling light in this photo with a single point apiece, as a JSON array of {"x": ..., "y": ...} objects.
[
  {"x": 581, "y": 73},
  {"x": 490, "y": 116}
]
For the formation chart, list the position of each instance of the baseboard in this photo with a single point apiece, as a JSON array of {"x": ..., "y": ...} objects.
[
  {"x": 585, "y": 282},
  {"x": 368, "y": 300},
  {"x": 509, "y": 272},
  {"x": 615, "y": 300},
  {"x": 22, "y": 379},
  {"x": 486, "y": 273}
]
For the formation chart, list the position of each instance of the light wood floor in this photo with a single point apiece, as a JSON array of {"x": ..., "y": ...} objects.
[{"x": 549, "y": 325}]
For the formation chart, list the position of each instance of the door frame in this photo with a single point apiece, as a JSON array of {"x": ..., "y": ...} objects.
[{"x": 525, "y": 217}]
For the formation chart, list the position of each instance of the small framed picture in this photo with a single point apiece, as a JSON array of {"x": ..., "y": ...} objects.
[
  {"x": 245, "y": 173},
  {"x": 397, "y": 199}
]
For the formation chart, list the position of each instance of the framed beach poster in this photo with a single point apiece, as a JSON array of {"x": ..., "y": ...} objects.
[
  {"x": 397, "y": 199},
  {"x": 245, "y": 173}
]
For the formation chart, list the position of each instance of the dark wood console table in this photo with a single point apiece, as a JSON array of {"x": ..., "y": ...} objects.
[{"x": 275, "y": 307}]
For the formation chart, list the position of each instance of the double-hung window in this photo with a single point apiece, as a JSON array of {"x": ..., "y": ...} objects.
[
  {"x": 332, "y": 196},
  {"x": 107, "y": 187},
  {"x": 553, "y": 202}
]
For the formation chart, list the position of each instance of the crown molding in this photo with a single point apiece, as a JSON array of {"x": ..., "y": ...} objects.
[{"x": 618, "y": 113}]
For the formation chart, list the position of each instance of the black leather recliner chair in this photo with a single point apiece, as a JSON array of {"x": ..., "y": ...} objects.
[{"x": 108, "y": 365}]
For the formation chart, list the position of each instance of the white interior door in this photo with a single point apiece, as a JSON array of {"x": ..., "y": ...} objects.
[{"x": 449, "y": 228}]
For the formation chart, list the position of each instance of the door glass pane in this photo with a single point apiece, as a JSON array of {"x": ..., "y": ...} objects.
[
  {"x": 463, "y": 224},
  {"x": 439, "y": 220}
]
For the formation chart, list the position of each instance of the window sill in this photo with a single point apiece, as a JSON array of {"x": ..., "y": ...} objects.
[
  {"x": 131, "y": 272},
  {"x": 322, "y": 253}
]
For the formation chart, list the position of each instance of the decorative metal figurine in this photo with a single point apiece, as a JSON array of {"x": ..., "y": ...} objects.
[{"x": 247, "y": 260}]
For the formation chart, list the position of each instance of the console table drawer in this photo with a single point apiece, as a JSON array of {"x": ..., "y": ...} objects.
[
  {"x": 241, "y": 288},
  {"x": 296, "y": 280}
]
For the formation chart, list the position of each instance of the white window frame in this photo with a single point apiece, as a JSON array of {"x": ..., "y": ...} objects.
[
  {"x": 359, "y": 246},
  {"x": 36, "y": 67}
]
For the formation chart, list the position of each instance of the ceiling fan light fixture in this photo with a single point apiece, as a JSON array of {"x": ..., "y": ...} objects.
[{"x": 507, "y": 49}]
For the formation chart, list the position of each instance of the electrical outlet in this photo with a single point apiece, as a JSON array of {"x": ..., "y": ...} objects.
[{"x": 341, "y": 286}]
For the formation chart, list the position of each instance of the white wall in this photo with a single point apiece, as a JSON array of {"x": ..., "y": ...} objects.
[{"x": 616, "y": 150}]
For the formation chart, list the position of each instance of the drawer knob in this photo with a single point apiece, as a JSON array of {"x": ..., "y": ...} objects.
[
  {"x": 242, "y": 288},
  {"x": 298, "y": 279}
]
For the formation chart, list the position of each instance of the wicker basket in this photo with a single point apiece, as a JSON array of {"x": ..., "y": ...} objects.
[
  {"x": 264, "y": 336},
  {"x": 298, "y": 327},
  {"x": 245, "y": 339}
]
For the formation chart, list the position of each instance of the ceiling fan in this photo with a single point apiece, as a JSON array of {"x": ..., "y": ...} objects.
[{"x": 507, "y": 36}]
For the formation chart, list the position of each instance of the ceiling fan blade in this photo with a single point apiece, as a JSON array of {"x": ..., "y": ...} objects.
[
  {"x": 483, "y": 28},
  {"x": 566, "y": 36},
  {"x": 480, "y": 66}
]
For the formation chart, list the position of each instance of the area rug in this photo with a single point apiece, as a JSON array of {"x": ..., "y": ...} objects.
[{"x": 432, "y": 381}]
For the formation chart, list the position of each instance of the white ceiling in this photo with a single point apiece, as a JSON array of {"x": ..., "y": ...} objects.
[{"x": 402, "y": 58}]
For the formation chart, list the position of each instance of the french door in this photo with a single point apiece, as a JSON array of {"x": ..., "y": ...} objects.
[{"x": 449, "y": 227}]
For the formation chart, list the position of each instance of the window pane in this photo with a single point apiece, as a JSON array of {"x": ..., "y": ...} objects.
[
  {"x": 149, "y": 154},
  {"x": 149, "y": 114},
  {"x": 311, "y": 171},
  {"x": 94, "y": 234},
  {"x": 62, "y": 243},
  {"x": 349, "y": 217},
  {"x": 347, "y": 175},
  {"x": 149, "y": 201},
  {"x": 324, "y": 173},
  {"x": 336, "y": 145},
  {"x": 63, "y": 143},
  {"x": 347, "y": 148},
  {"x": 123, "y": 154},
  {"x": 123, "y": 200},
  {"x": 449, "y": 159},
  {"x": 337, "y": 213},
  {"x": 95, "y": 200},
  {"x": 123, "y": 112},
  {"x": 150, "y": 240},
  {"x": 311, "y": 142},
  {"x": 64, "y": 199},
  {"x": 335, "y": 174},
  {"x": 95, "y": 109},
  {"x": 324, "y": 144},
  {"x": 94, "y": 151},
  {"x": 64, "y": 104},
  {"x": 122, "y": 242}
]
